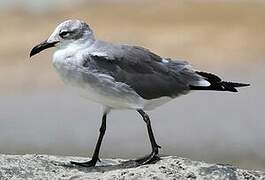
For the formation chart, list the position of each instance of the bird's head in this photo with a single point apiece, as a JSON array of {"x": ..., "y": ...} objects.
[{"x": 68, "y": 32}]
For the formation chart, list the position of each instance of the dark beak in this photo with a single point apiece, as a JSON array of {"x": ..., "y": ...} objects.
[{"x": 42, "y": 46}]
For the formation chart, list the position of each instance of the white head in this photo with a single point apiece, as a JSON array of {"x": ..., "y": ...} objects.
[{"x": 66, "y": 33}]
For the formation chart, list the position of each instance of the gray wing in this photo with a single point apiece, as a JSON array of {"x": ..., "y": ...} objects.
[{"x": 145, "y": 72}]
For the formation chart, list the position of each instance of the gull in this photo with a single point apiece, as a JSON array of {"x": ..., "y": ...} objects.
[{"x": 120, "y": 76}]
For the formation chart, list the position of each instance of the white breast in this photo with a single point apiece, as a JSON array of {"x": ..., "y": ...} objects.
[
  {"x": 93, "y": 85},
  {"x": 96, "y": 86}
]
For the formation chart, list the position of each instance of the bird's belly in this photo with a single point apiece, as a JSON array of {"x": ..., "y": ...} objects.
[{"x": 100, "y": 88}]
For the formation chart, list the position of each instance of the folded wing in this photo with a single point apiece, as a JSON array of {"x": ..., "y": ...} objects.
[{"x": 147, "y": 73}]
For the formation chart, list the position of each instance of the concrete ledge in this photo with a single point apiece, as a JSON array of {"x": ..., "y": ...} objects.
[{"x": 170, "y": 167}]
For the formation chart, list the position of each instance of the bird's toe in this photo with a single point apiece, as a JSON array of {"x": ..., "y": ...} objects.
[{"x": 91, "y": 163}]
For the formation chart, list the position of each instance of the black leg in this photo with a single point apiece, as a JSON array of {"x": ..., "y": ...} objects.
[
  {"x": 95, "y": 157},
  {"x": 154, "y": 154}
]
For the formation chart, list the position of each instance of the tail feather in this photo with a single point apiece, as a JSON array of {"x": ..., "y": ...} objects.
[{"x": 217, "y": 84}]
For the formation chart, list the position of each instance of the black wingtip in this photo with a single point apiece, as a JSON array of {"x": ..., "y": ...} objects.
[
  {"x": 232, "y": 86},
  {"x": 238, "y": 84},
  {"x": 245, "y": 85}
]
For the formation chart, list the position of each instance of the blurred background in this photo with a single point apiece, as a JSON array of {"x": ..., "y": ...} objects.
[{"x": 39, "y": 115}]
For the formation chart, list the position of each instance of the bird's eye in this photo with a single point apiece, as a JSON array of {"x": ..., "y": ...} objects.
[{"x": 64, "y": 34}]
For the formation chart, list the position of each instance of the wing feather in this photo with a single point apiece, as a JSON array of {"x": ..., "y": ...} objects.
[{"x": 145, "y": 72}]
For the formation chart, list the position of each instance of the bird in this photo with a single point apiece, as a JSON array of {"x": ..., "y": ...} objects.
[{"x": 121, "y": 76}]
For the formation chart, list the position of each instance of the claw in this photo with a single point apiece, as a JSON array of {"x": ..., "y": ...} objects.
[
  {"x": 91, "y": 163},
  {"x": 152, "y": 158}
]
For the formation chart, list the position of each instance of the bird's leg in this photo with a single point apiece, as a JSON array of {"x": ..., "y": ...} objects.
[
  {"x": 154, "y": 154},
  {"x": 95, "y": 157}
]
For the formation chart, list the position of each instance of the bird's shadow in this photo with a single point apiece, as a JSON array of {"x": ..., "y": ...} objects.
[{"x": 101, "y": 167}]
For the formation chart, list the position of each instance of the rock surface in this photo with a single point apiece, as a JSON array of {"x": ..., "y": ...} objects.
[{"x": 170, "y": 167}]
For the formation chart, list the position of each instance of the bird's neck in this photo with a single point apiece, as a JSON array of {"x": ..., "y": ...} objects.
[{"x": 71, "y": 50}]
